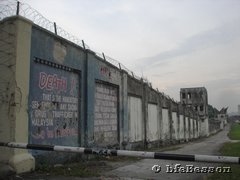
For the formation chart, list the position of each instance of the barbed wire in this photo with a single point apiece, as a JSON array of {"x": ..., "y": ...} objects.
[
  {"x": 7, "y": 8},
  {"x": 27, "y": 11},
  {"x": 13, "y": 7},
  {"x": 61, "y": 32},
  {"x": 10, "y": 8}
]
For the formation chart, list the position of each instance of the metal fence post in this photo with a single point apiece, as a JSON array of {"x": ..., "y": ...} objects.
[
  {"x": 83, "y": 44},
  {"x": 104, "y": 57},
  {"x": 18, "y": 3},
  {"x": 119, "y": 66},
  {"x": 55, "y": 28}
]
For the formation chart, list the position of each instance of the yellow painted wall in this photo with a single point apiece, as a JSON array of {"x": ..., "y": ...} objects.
[
  {"x": 7, "y": 85},
  {"x": 14, "y": 110}
]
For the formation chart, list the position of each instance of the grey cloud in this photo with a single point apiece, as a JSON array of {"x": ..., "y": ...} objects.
[
  {"x": 164, "y": 74},
  {"x": 220, "y": 35}
]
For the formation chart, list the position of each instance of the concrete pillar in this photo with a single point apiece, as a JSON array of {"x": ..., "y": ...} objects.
[
  {"x": 178, "y": 122},
  {"x": 170, "y": 120},
  {"x": 159, "y": 110},
  {"x": 184, "y": 123},
  {"x": 14, "y": 110},
  {"x": 124, "y": 111},
  {"x": 160, "y": 106},
  {"x": 145, "y": 112}
]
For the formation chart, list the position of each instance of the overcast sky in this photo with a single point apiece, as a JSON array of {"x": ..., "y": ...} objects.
[{"x": 174, "y": 43}]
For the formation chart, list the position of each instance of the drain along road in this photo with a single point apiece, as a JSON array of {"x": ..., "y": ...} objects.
[{"x": 143, "y": 169}]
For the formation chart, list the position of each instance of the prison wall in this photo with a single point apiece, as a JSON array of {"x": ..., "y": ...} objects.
[{"x": 64, "y": 94}]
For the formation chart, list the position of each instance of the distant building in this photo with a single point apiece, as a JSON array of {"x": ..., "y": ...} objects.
[{"x": 197, "y": 99}]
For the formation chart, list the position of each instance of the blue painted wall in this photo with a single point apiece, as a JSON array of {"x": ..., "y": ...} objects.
[
  {"x": 53, "y": 105},
  {"x": 56, "y": 89},
  {"x": 102, "y": 72},
  {"x": 53, "y": 55}
]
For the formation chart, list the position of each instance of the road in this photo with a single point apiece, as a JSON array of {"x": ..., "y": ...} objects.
[{"x": 143, "y": 169}]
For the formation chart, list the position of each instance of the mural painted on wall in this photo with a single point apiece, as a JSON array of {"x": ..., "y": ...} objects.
[
  {"x": 106, "y": 119},
  {"x": 53, "y": 105}
]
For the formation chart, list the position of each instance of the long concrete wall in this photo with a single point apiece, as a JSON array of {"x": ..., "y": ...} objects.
[{"x": 66, "y": 95}]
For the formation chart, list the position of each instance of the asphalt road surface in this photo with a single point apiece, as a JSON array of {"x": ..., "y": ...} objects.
[{"x": 143, "y": 169}]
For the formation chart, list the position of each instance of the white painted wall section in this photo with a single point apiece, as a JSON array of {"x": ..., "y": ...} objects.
[
  {"x": 153, "y": 127},
  {"x": 135, "y": 119}
]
